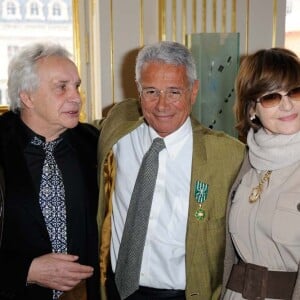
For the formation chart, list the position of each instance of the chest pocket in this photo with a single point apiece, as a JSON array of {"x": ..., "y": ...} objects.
[{"x": 286, "y": 220}]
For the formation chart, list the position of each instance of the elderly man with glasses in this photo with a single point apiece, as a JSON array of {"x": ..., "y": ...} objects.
[{"x": 164, "y": 180}]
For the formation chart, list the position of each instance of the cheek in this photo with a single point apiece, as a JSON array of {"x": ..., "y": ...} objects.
[
  {"x": 264, "y": 120},
  {"x": 147, "y": 108},
  {"x": 268, "y": 120},
  {"x": 184, "y": 108},
  {"x": 262, "y": 114}
]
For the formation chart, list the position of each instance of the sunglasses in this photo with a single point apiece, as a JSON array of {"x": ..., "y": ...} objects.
[{"x": 273, "y": 99}]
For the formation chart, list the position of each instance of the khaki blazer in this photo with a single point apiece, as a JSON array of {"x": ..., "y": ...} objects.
[{"x": 216, "y": 161}]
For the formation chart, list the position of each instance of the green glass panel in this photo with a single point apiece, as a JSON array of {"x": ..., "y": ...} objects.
[{"x": 217, "y": 60}]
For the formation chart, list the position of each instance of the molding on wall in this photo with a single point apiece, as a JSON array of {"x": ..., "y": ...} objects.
[{"x": 126, "y": 27}]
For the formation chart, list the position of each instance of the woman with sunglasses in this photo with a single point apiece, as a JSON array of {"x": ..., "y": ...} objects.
[{"x": 263, "y": 229}]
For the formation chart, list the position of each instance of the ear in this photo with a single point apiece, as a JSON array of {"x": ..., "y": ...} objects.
[
  {"x": 252, "y": 112},
  {"x": 195, "y": 89},
  {"x": 138, "y": 87},
  {"x": 26, "y": 99}
]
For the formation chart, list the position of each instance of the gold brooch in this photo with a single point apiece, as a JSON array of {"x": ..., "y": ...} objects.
[{"x": 256, "y": 192}]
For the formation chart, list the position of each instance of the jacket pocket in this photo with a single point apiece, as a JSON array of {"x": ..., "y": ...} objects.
[{"x": 286, "y": 220}]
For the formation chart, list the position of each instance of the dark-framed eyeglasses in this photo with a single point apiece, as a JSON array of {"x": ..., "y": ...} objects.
[
  {"x": 171, "y": 94},
  {"x": 274, "y": 99}
]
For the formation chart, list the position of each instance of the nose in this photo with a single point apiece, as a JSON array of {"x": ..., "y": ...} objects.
[
  {"x": 74, "y": 95},
  {"x": 286, "y": 104},
  {"x": 162, "y": 100}
]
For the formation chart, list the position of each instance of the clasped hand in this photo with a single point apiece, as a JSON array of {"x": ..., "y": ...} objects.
[{"x": 58, "y": 271}]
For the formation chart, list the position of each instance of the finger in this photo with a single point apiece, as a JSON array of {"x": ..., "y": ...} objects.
[
  {"x": 64, "y": 256},
  {"x": 78, "y": 268},
  {"x": 67, "y": 285}
]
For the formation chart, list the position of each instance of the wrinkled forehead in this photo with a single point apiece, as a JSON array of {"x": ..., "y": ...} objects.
[{"x": 57, "y": 67}]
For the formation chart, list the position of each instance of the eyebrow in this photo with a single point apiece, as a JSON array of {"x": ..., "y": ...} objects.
[{"x": 67, "y": 81}]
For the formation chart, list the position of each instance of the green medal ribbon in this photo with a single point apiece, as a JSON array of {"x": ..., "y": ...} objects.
[{"x": 201, "y": 191}]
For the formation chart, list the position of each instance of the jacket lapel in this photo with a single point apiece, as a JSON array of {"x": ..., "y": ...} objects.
[
  {"x": 128, "y": 118},
  {"x": 21, "y": 179},
  {"x": 199, "y": 162}
]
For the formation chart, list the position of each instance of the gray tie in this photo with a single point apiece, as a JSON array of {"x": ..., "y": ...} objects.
[{"x": 129, "y": 262}]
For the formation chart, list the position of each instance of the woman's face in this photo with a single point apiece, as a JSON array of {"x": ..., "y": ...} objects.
[{"x": 284, "y": 118}]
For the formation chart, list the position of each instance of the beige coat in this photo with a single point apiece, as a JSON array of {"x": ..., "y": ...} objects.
[{"x": 230, "y": 254}]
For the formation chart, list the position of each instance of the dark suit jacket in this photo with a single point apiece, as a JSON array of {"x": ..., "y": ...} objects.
[{"x": 24, "y": 233}]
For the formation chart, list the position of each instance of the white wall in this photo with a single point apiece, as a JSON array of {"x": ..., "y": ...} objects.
[{"x": 118, "y": 28}]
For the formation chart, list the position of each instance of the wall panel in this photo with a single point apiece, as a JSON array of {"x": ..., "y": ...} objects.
[{"x": 125, "y": 26}]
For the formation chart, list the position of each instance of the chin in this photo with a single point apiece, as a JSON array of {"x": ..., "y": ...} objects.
[
  {"x": 288, "y": 131},
  {"x": 71, "y": 124}
]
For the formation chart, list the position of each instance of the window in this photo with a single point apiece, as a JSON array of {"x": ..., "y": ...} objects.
[
  {"x": 34, "y": 10},
  {"x": 289, "y": 6},
  {"x": 29, "y": 25},
  {"x": 11, "y": 51},
  {"x": 292, "y": 26},
  {"x": 11, "y": 10},
  {"x": 58, "y": 10}
]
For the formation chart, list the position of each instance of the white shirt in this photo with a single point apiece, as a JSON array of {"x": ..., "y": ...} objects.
[{"x": 163, "y": 264}]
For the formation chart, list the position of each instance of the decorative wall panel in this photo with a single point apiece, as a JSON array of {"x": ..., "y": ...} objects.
[{"x": 217, "y": 60}]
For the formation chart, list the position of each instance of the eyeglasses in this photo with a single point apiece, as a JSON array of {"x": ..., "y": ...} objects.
[
  {"x": 273, "y": 99},
  {"x": 171, "y": 94}
]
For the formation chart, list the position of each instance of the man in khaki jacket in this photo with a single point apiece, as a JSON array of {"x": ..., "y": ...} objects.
[{"x": 184, "y": 249}]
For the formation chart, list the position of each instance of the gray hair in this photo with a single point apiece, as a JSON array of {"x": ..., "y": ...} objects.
[
  {"x": 167, "y": 52},
  {"x": 22, "y": 72}
]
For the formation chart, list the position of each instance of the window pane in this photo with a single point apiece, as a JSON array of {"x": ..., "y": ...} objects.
[
  {"x": 292, "y": 26},
  {"x": 25, "y": 22}
]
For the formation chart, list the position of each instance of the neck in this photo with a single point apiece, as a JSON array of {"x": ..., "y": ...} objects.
[{"x": 41, "y": 128}]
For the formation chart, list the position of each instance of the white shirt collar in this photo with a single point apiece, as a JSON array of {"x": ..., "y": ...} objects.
[{"x": 176, "y": 139}]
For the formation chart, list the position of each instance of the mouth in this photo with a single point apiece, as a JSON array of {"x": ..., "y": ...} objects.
[
  {"x": 288, "y": 118},
  {"x": 73, "y": 113},
  {"x": 164, "y": 117}
]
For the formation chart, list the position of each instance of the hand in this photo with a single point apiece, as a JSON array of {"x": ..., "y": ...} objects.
[{"x": 58, "y": 271}]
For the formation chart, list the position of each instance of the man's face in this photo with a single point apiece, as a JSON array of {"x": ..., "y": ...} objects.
[
  {"x": 55, "y": 105},
  {"x": 163, "y": 115}
]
